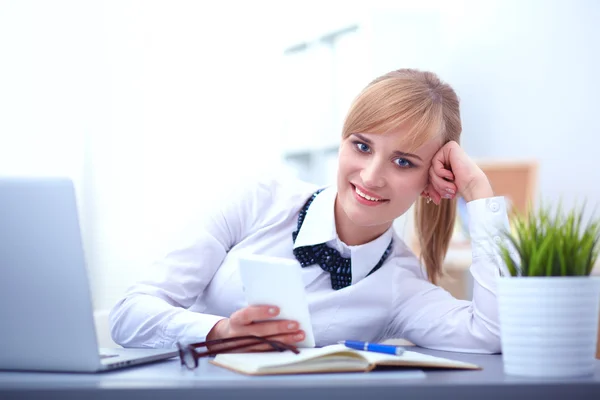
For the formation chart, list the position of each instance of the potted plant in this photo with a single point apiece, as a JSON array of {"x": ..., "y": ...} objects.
[{"x": 549, "y": 304}]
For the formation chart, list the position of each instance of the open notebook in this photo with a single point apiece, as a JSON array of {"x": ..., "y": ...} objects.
[{"x": 333, "y": 358}]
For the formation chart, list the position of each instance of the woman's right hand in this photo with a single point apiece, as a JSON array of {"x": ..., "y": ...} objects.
[{"x": 254, "y": 320}]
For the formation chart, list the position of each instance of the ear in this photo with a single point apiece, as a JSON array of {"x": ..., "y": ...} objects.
[{"x": 425, "y": 192}]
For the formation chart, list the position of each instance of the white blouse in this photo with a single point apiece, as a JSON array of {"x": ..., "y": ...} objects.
[{"x": 198, "y": 283}]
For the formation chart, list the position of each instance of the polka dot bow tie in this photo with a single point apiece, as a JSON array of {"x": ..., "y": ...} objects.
[{"x": 329, "y": 259}]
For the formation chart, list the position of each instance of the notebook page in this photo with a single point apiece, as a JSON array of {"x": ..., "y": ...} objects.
[
  {"x": 330, "y": 363},
  {"x": 253, "y": 362},
  {"x": 415, "y": 358}
]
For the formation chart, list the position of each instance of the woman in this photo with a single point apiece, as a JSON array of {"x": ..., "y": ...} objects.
[{"x": 399, "y": 146}]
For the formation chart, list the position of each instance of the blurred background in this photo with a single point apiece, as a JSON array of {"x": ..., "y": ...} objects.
[{"x": 154, "y": 107}]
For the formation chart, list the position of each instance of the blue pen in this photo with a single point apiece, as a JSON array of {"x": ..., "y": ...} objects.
[{"x": 375, "y": 347}]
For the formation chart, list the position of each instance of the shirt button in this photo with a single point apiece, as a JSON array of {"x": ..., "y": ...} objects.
[
  {"x": 497, "y": 239},
  {"x": 494, "y": 206}
]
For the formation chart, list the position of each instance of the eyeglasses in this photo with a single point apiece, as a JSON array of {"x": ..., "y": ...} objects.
[{"x": 189, "y": 356}]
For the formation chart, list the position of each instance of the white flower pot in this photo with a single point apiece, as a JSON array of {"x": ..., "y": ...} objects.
[{"x": 549, "y": 325}]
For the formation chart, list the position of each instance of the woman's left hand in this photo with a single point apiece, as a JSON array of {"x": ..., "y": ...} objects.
[{"x": 453, "y": 172}]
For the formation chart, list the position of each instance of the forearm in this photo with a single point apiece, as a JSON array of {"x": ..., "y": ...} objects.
[
  {"x": 431, "y": 317},
  {"x": 478, "y": 188},
  {"x": 143, "y": 320},
  {"x": 487, "y": 220}
]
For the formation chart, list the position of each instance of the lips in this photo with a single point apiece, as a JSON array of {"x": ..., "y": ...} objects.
[{"x": 366, "y": 197}]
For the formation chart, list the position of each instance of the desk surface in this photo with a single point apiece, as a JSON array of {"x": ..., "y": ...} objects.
[{"x": 168, "y": 380}]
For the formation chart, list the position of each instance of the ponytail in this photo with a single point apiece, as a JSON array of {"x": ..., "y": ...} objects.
[{"x": 434, "y": 226}]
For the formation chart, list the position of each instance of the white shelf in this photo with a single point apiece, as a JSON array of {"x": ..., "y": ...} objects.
[{"x": 302, "y": 151}]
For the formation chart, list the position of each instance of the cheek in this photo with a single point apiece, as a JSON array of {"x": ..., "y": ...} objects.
[
  {"x": 406, "y": 185},
  {"x": 348, "y": 162},
  {"x": 423, "y": 178}
]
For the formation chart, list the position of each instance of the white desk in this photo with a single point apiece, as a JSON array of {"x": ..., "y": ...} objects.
[{"x": 167, "y": 380}]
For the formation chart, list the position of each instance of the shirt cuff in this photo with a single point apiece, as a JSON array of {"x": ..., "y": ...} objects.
[
  {"x": 488, "y": 219},
  {"x": 189, "y": 327}
]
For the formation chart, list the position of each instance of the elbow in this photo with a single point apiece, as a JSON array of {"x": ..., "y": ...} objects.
[
  {"x": 491, "y": 338},
  {"x": 487, "y": 338},
  {"x": 118, "y": 325},
  {"x": 471, "y": 337},
  {"x": 495, "y": 343},
  {"x": 135, "y": 321},
  {"x": 492, "y": 345},
  {"x": 475, "y": 345}
]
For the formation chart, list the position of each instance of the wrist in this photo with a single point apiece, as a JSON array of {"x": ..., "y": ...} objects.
[
  {"x": 216, "y": 331},
  {"x": 479, "y": 189}
]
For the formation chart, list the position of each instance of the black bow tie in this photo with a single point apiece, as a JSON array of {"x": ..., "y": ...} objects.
[{"x": 328, "y": 258}]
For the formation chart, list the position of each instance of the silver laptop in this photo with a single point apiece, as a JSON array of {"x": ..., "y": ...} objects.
[{"x": 46, "y": 315}]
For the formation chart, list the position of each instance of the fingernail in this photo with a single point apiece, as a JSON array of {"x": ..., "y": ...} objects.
[
  {"x": 272, "y": 311},
  {"x": 299, "y": 336},
  {"x": 292, "y": 326},
  {"x": 448, "y": 196},
  {"x": 450, "y": 191}
]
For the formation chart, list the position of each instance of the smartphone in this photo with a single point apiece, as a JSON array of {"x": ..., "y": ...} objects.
[{"x": 277, "y": 281}]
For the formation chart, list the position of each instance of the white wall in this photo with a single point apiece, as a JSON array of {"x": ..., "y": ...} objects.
[
  {"x": 527, "y": 74},
  {"x": 189, "y": 112},
  {"x": 152, "y": 106},
  {"x": 52, "y": 90}
]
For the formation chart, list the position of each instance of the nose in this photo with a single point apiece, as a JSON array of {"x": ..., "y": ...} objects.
[{"x": 372, "y": 175}]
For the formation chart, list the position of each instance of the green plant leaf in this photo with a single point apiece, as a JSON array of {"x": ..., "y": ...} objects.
[
  {"x": 550, "y": 242},
  {"x": 510, "y": 263}
]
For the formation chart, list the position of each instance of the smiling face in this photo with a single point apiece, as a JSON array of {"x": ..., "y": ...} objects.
[{"x": 378, "y": 180}]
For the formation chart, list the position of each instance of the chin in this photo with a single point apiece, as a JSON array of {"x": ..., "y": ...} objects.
[{"x": 365, "y": 222}]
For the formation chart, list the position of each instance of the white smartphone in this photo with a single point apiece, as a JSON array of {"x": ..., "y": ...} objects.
[{"x": 278, "y": 282}]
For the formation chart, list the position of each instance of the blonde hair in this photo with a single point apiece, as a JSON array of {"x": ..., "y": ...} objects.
[{"x": 429, "y": 107}]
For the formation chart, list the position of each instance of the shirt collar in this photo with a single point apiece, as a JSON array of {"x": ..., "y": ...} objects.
[
  {"x": 319, "y": 222},
  {"x": 319, "y": 227}
]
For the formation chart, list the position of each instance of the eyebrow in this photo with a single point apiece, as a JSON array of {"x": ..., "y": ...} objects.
[{"x": 396, "y": 153}]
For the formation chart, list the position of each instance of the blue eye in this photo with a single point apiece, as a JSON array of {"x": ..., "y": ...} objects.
[
  {"x": 403, "y": 163},
  {"x": 363, "y": 148}
]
